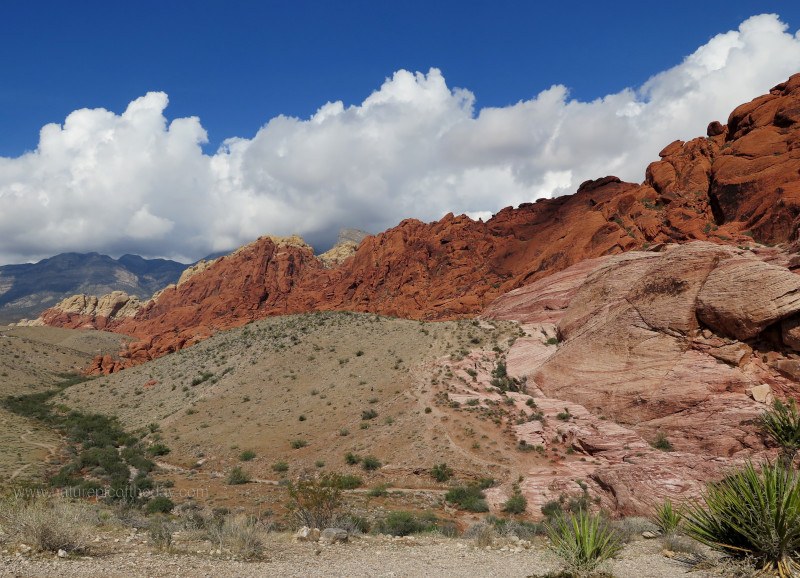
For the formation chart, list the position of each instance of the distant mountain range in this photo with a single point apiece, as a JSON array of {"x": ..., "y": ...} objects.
[{"x": 28, "y": 289}]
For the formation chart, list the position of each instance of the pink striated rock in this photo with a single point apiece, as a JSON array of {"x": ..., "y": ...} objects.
[{"x": 636, "y": 362}]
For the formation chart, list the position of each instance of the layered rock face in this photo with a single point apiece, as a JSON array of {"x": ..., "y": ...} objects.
[
  {"x": 688, "y": 343},
  {"x": 738, "y": 184}
]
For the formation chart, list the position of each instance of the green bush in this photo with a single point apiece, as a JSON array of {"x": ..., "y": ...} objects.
[
  {"x": 582, "y": 542},
  {"x": 441, "y": 473},
  {"x": 340, "y": 481},
  {"x": 371, "y": 463},
  {"x": 159, "y": 505},
  {"x": 469, "y": 498},
  {"x": 352, "y": 459},
  {"x": 297, "y": 444},
  {"x": 238, "y": 476},
  {"x": 247, "y": 455},
  {"x": 280, "y": 467},
  {"x": 369, "y": 414},
  {"x": 378, "y": 491},
  {"x": 753, "y": 512},
  {"x": 553, "y": 509},
  {"x": 158, "y": 449},
  {"x": 403, "y": 523},
  {"x": 516, "y": 503},
  {"x": 662, "y": 443}
]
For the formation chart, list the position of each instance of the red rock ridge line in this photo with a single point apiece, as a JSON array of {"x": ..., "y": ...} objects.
[{"x": 741, "y": 179}]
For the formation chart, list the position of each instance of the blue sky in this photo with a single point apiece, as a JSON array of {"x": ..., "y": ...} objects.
[{"x": 259, "y": 71}]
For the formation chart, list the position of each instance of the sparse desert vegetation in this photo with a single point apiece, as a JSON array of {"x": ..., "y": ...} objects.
[{"x": 287, "y": 482}]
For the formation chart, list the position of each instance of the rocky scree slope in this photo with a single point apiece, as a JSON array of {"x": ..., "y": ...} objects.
[{"x": 741, "y": 182}]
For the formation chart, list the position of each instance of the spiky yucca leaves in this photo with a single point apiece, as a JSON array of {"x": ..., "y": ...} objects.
[
  {"x": 753, "y": 511},
  {"x": 782, "y": 425},
  {"x": 667, "y": 517},
  {"x": 582, "y": 542}
]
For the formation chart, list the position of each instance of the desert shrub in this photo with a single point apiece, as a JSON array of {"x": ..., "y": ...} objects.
[
  {"x": 553, "y": 509},
  {"x": 313, "y": 503},
  {"x": 516, "y": 503},
  {"x": 238, "y": 476},
  {"x": 247, "y": 455},
  {"x": 662, "y": 443},
  {"x": 352, "y": 459},
  {"x": 667, "y": 517},
  {"x": 158, "y": 449},
  {"x": 378, "y": 491},
  {"x": 482, "y": 534},
  {"x": 753, "y": 511},
  {"x": 280, "y": 467},
  {"x": 242, "y": 537},
  {"x": 470, "y": 498},
  {"x": 441, "y": 472},
  {"x": 352, "y": 524},
  {"x": 403, "y": 523},
  {"x": 582, "y": 542},
  {"x": 581, "y": 502},
  {"x": 781, "y": 423},
  {"x": 633, "y": 527},
  {"x": 134, "y": 457},
  {"x": 297, "y": 444},
  {"x": 239, "y": 534},
  {"x": 369, "y": 414},
  {"x": 159, "y": 505},
  {"x": 340, "y": 481},
  {"x": 191, "y": 517},
  {"x": 49, "y": 525},
  {"x": 371, "y": 463},
  {"x": 519, "y": 528},
  {"x": 160, "y": 531}
]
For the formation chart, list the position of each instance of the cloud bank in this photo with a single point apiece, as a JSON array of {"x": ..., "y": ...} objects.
[{"x": 137, "y": 183}]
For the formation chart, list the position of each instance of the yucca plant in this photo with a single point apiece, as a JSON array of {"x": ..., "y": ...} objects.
[
  {"x": 782, "y": 426},
  {"x": 752, "y": 512},
  {"x": 582, "y": 542},
  {"x": 667, "y": 517}
]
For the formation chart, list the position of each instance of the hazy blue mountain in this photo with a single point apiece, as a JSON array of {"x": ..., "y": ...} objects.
[{"x": 28, "y": 289}]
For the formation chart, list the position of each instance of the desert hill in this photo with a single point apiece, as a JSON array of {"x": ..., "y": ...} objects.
[
  {"x": 624, "y": 379},
  {"x": 737, "y": 184}
]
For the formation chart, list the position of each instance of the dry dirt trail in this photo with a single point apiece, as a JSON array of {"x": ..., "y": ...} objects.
[{"x": 51, "y": 451}]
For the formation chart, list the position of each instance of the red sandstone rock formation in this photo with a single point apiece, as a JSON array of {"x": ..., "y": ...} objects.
[{"x": 741, "y": 181}]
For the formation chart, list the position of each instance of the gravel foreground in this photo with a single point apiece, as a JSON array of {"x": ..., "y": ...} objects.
[{"x": 367, "y": 556}]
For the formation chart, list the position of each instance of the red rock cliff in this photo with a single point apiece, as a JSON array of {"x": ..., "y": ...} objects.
[{"x": 741, "y": 181}]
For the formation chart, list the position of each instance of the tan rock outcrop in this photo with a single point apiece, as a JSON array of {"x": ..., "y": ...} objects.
[
  {"x": 338, "y": 254},
  {"x": 87, "y": 311},
  {"x": 190, "y": 272}
]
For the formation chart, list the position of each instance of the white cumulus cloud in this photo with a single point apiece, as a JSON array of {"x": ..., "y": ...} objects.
[{"x": 135, "y": 182}]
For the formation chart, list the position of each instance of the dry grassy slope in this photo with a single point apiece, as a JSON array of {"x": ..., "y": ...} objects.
[
  {"x": 268, "y": 374},
  {"x": 31, "y": 359}
]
